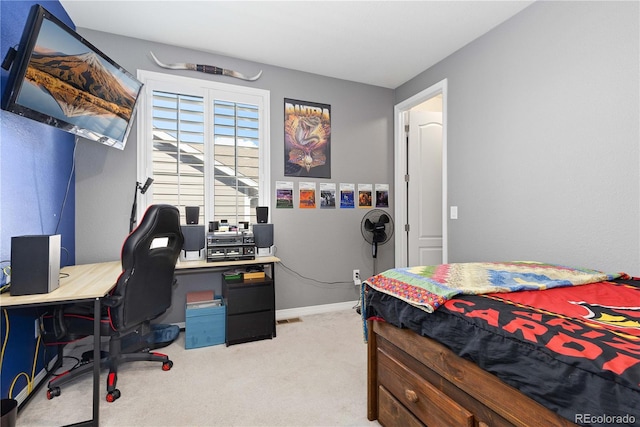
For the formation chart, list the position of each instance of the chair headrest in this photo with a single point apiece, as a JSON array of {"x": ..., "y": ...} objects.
[{"x": 159, "y": 229}]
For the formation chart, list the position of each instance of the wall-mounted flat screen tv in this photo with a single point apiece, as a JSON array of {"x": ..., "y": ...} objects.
[{"x": 59, "y": 78}]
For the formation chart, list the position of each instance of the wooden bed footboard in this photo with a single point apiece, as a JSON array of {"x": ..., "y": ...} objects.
[{"x": 415, "y": 381}]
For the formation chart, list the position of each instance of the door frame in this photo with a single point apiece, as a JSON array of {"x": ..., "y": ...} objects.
[{"x": 400, "y": 168}]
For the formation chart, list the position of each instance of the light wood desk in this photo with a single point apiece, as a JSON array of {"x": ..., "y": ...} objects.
[
  {"x": 186, "y": 266},
  {"x": 84, "y": 282},
  {"x": 77, "y": 283},
  {"x": 203, "y": 266}
]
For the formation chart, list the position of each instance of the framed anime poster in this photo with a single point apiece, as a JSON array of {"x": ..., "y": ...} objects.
[{"x": 307, "y": 139}]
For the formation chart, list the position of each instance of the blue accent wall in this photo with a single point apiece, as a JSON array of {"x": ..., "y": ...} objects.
[{"x": 36, "y": 172}]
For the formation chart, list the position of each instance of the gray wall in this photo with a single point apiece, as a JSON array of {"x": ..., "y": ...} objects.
[
  {"x": 325, "y": 245},
  {"x": 543, "y": 143},
  {"x": 543, "y": 137}
]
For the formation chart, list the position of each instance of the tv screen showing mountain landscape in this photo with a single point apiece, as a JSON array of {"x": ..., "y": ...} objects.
[{"x": 71, "y": 82}]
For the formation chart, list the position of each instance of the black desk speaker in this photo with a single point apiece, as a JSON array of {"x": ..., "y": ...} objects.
[
  {"x": 192, "y": 214},
  {"x": 262, "y": 214},
  {"x": 35, "y": 264},
  {"x": 263, "y": 235},
  {"x": 194, "y": 237}
]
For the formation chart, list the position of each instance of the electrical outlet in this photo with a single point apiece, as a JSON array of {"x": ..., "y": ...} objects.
[{"x": 356, "y": 277}]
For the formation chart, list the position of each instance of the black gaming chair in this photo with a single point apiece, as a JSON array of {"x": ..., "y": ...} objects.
[{"x": 142, "y": 293}]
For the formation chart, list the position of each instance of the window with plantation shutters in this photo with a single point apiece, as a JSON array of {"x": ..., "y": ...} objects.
[
  {"x": 204, "y": 144},
  {"x": 236, "y": 171},
  {"x": 178, "y": 150}
]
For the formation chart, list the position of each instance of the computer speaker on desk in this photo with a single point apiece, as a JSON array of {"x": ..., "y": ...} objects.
[
  {"x": 263, "y": 235},
  {"x": 192, "y": 213},
  {"x": 35, "y": 264},
  {"x": 194, "y": 241},
  {"x": 262, "y": 214}
]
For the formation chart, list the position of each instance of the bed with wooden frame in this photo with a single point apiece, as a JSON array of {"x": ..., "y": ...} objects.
[{"x": 439, "y": 373}]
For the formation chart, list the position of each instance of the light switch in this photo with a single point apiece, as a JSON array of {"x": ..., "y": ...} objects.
[{"x": 453, "y": 212}]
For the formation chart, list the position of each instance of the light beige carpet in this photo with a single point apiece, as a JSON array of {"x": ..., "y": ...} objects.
[{"x": 312, "y": 374}]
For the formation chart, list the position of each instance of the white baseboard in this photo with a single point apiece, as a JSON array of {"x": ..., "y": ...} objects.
[
  {"x": 39, "y": 377},
  {"x": 288, "y": 313}
]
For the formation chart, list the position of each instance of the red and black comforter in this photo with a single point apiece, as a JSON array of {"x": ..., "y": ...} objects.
[{"x": 575, "y": 350}]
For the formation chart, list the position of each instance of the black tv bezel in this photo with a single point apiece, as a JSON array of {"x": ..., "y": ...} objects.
[{"x": 16, "y": 81}]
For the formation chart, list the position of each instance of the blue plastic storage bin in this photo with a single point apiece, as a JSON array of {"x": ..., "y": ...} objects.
[{"x": 204, "y": 325}]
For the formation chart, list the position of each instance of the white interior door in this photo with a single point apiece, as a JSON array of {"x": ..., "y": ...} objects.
[{"x": 425, "y": 187}]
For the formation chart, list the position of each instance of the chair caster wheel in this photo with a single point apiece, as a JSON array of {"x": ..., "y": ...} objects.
[
  {"x": 53, "y": 392},
  {"x": 167, "y": 365},
  {"x": 112, "y": 396}
]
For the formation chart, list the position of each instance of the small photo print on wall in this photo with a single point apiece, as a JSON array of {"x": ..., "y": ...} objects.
[
  {"x": 327, "y": 195},
  {"x": 347, "y": 196},
  {"x": 307, "y": 139},
  {"x": 284, "y": 194},
  {"x": 364, "y": 195},
  {"x": 307, "y": 195},
  {"x": 382, "y": 195}
]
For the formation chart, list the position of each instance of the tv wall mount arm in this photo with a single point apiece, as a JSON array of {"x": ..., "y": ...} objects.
[
  {"x": 208, "y": 69},
  {"x": 7, "y": 62}
]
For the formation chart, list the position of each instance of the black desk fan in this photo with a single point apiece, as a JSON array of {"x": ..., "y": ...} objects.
[{"x": 377, "y": 229}]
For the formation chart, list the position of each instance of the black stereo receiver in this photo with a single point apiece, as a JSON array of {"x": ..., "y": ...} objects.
[{"x": 230, "y": 245}]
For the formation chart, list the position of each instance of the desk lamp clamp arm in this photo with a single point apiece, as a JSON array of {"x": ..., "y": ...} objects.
[{"x": 143, "y": 189}]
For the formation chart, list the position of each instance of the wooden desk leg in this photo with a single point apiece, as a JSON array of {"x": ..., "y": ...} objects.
[{"x": 96, "y": 358}]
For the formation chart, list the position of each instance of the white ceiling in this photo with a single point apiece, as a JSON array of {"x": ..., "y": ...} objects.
[{"x": 383, "y": 43}]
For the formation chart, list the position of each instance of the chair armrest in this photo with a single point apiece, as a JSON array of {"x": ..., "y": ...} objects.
[{"x": 112, "y": 301}]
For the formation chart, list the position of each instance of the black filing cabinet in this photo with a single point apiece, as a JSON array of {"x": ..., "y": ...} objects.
[{"x": 251, "y": 311}]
